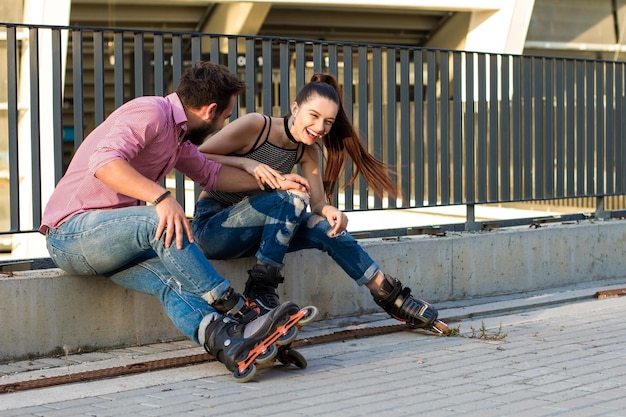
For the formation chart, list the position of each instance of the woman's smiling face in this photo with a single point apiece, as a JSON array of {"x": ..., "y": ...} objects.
[{"x": 313, "y": 118}]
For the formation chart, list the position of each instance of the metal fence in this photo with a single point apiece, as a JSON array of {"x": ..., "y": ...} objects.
[{"x": 459, "y": 128}]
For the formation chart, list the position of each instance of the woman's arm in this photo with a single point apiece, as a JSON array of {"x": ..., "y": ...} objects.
[
  {"x": 310, "y": 165},
  {"x": 239, "y": 136}
]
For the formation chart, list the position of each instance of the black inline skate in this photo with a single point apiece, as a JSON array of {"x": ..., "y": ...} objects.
[
  {"x": 398, "y": 302},
  {"x": 260, "y": 289},
  {"x": 242, "y": 346}
]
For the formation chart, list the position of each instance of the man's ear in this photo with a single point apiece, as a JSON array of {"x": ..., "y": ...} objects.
[{"x": 209, "y": 111}]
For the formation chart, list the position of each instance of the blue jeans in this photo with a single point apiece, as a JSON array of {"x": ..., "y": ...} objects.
[
  {"x": 120, "y": 244},
  {"x": 256, "y": 226}
]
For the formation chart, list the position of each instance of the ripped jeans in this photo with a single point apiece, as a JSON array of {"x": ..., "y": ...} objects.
[
  {"x": 120, "y": 244},
  {"x": 257, "y": 226}
]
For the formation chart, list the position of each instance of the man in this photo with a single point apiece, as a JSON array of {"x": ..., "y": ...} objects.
[{"x": 96, "y": 222}]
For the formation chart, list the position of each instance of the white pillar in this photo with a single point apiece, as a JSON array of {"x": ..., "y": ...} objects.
[
  {"x": 500, "y": 31},
  {"x": 47, "y": 12}
]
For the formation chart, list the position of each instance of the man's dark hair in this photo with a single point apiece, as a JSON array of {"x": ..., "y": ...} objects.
[{"x": 206, "y": 83}]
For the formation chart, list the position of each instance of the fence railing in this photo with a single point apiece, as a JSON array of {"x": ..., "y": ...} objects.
[{"x": 459, "y": 128}]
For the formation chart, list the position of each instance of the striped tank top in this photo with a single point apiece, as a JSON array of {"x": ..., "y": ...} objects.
[{"x": 280, "y": 159}]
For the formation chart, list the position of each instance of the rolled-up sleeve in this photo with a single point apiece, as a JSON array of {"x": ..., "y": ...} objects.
[{"x": 198, "y": 167}]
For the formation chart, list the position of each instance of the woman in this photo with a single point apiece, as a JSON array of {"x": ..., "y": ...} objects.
[{"x": 270, "y": 224}]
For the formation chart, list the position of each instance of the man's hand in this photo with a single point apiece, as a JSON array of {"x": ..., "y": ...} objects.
[
  {"x": 173, "y": 221},
  {"x": 294, "y": 182}
]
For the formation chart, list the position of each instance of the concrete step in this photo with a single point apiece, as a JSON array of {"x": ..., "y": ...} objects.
[{"x": 47, "y": 311}]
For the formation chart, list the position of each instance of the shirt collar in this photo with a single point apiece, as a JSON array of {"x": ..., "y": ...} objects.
[{"x": 178, "y": 111}]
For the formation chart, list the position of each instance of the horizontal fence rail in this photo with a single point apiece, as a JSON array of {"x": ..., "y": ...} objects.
[{"x": 457, "y": 127}]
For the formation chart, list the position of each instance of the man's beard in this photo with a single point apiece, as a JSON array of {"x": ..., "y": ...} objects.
[{"x": 198, "y": 135}]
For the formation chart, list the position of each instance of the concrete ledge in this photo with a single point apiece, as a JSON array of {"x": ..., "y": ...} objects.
[{"x": 45, "y": 312}]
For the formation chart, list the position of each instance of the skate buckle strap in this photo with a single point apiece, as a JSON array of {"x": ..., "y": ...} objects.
[{"x": 238, "y": 309}]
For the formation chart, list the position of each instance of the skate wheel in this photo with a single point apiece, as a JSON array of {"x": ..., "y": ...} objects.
[
  {"x": 291, "y": 356},
  {"x": 311, "y": 315},
  {"x": 441, "y": 327},
  {"x": 288, "y": 337},
  {"x": 268, "y": 356},
  {"x": 246, "y": 375}
]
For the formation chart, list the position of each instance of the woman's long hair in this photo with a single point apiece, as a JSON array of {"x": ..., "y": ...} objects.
[{"x": 343, "y": 139}]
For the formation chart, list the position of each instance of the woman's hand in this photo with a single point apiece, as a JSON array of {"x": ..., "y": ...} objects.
[{"x": 337, "y": 219}]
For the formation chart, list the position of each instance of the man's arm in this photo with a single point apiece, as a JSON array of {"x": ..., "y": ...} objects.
[{"x": 121, "y": 177}]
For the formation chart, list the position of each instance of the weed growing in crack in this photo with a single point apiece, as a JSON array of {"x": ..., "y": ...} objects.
[{"x": 484, "y": 334}]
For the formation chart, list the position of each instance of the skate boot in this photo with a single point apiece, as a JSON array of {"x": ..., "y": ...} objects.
[
  {"x": 241, "y": 346},
  {"x": 401, "y": 305},
  {"x": 260, "y": 290},
  {"x": 237, "y": 306},
  {"x": 261, "y": 286}
]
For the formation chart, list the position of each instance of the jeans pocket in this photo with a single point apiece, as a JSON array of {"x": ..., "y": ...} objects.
[{"x": 70, "y": 262}]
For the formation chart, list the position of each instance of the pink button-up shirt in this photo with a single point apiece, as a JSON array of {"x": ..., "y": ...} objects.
[{"x": 148, "y": 133}]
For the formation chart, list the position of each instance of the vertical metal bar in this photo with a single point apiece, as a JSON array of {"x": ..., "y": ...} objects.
[
  {"x": 118, "y": 69},
  {"x": 469, "y": 128},
  {"x": 159, "y": 71},
  {"x": 318, "y": 57},
  {"x": 527, "y": 115},
  {"x": 538, "y": 137},
  {"x": 548, "y": 130},
  {"x": 333, "y": 60},
  {"x": 215, "y": 54},
  {"x": 444, "y": 128},
  {"x": 196, "y": 56},
  {"x": 599, "y": 122},
  {"x": 375, "y": 137},
  {"x": 333, "y": 69},
  {"x": 138, "y": 49},
  {"x": 504, "y": 130},
  {"x": 516, "y": 133},
  {"x": 35, "y": 131},
  {"x": 405, "y": 129},
  {"x": 232, "y": 65},
  {"x": 57, "y": 106},
  {"x": 609, "y": 149},
  {"x": 13, "y": 133},
  {"x": 570, "y": 129},
  {"x": 250, "y": 76},
  {"x": 589, "y": 131},
  {"x": 99, "y": 98},
  {"x": 418, "y": 141},
  {"x": 348, "y": 103},
  {"x": 481, "y": 121},
  {"x": 300, "y": 65},
  {"x": 77, "y": 87},
  {"x": 431, "y": 126},
  {"x": 196, "y": 49},
  {"x": 619, "y": 131},
  {"x": 492, "y": 142},
  {"x": 457, "y": 127},
  {"x": 159, "y": 65},
  {"x": 392, "y": 153},
  {"x": 177, "y": 58},
  {"x": 363, "y": 99},
  {"x": 177, "y": 71},
  {"x": 560, "y": 157},
  {"x": 285, "y": 79},
  {"x": 580, "y": 129},
  {"x": 268, "y": 90}
]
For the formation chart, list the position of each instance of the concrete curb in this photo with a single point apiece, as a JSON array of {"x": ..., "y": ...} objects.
[{"x": 45, "y": 312}]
